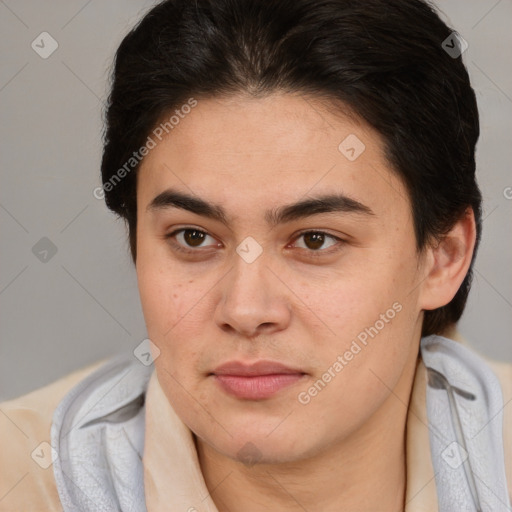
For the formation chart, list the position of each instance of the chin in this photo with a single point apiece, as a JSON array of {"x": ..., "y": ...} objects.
[{"x": 255, "y": 446}]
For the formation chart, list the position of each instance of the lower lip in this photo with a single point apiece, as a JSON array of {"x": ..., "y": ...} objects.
[{"x": 257, "y": 387}]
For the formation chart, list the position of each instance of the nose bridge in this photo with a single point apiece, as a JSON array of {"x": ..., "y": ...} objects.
[
  {"x": 248, "y": 280},
  {"x": 252, "y": 295}
]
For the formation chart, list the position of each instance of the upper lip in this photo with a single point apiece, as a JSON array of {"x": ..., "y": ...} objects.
[{"x": 255, "y": 368}]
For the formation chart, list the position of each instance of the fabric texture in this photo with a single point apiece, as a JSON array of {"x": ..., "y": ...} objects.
[
  {"x": 465, "y": 415},
  {"x": 98, "y": 432}
]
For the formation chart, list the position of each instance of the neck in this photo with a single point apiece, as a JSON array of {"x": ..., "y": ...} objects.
[{"x": 365, "y": 471}]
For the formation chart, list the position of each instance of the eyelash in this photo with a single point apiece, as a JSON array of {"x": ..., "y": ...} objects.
[{"x": 313, "y": 253}]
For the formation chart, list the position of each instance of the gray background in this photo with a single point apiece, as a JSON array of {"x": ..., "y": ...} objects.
[{"x": 82, "y": 304}]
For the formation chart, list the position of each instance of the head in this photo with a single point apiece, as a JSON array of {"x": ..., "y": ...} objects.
[{"x": 298, "y": 183}]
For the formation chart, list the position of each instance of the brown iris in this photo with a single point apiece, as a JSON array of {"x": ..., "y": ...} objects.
[
  {"x": 193, "y": 237},
  {"x": 316, "y": 239}
]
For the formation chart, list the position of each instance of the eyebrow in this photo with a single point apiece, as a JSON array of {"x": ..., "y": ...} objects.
[{"x": 327, "y": 203}]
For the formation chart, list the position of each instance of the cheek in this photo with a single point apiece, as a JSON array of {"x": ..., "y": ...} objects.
[
  {"x": 369, "y": 371},
  {"x": 163, "y": 291},
  {"x": 373, "y": 314},
  {"x": 167, "y": 303},
  {"x": 156, "y": 298},
  {"x": 354, "y": 298}
]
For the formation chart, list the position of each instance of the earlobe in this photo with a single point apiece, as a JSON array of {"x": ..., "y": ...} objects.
[{"x": 448, "y": 263}]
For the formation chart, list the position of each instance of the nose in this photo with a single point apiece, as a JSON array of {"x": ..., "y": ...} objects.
[{"x": 254, "y": 300}]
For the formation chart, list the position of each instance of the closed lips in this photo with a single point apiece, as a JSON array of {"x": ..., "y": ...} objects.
[{"x": 256, "y": 381}]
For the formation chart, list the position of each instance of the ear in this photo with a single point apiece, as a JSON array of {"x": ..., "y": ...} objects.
[{"x": 447, "y": 263}]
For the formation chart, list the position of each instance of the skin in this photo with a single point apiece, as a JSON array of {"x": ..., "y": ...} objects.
[{"x": 344, "y": 449}]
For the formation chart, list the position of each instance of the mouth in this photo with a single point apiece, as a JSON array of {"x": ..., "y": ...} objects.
[{"x": 255, "y": 381}]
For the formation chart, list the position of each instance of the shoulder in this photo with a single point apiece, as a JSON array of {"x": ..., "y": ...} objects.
[
  {"x": 26, "y": 476},
  {"x": 503, "y": 371}
]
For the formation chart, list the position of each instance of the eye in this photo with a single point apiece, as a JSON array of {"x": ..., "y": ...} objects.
[
  {"x": 189, "y": 238},
  {"x": 314, "y": 240}
]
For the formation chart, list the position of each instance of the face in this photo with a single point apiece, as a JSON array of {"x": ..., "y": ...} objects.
[{"x": 283, "y": 293}]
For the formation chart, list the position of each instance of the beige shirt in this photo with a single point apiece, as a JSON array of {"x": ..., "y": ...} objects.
[{"x": 172, "y": 475}]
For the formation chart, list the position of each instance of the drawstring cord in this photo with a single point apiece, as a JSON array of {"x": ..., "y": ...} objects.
[{"x": 437, "y": 380}]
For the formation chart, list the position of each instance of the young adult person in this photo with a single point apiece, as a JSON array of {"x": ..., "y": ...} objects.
[{"x": 298, "y": 182}]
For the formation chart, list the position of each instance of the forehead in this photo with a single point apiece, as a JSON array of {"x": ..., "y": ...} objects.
[
  {"x": 280, "y": 124},
  {"x": 244, "y": 151}
]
